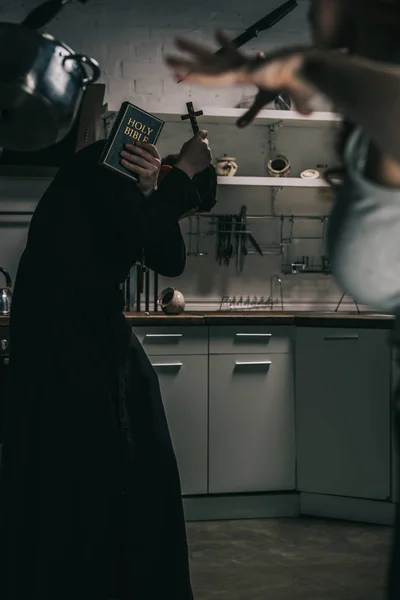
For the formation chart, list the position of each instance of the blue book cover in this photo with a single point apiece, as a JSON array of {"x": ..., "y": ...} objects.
[{"x": 132, "y": 124}]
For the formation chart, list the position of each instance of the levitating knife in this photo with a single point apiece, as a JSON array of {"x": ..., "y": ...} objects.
[{"x": 263, "y": 24}]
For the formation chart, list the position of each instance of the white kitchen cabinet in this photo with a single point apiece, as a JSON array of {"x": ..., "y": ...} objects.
[
  {"x": 184, "y": 381},
  {"x": 162, "y": 340},
  {"x": 395, "y": 384},
  {"x": 343, "y": 385},
  {"x": 251, "y": 423},
  {"x": 251, "y": 339}
]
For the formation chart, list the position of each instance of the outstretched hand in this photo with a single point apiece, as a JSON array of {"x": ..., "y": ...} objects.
[
  {"x": 263, "y": 98},
  {"x": 195, "y": 154},
  {"x": 205, "y": 67},
  {"x": 279, "y": 71}
]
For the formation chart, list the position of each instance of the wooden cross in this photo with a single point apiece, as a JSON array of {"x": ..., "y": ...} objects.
[{"x": 191, "y": 114}]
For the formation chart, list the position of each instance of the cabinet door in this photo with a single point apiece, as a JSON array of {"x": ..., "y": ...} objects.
[
  {"x": 251, "y": 423},
  {"x": 343, "y": 412},
  {"x": 395, "y": 458},
  {"x": 184, "y": 382}
]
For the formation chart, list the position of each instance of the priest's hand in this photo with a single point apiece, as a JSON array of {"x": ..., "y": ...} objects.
[
  {"x": 144, "y": 160},
  {"x": 195, "y": 155}
]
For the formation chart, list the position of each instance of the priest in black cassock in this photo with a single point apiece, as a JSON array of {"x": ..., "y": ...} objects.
[{"x": 90, "y": 497}]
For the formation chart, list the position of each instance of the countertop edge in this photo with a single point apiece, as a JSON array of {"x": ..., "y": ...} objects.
[{"x": 216, "y": 318}]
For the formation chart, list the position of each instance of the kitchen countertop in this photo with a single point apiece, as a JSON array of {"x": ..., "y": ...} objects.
[{"x": 302, "y": 319}]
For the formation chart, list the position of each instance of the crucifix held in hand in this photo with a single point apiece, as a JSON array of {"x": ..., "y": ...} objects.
[{"x": 192, "y": 115}]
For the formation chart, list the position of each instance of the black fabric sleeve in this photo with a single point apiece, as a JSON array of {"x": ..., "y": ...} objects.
[
  {"x": 206, "y": 186},
  {"x": 138, "y": 225},
  {"x": 163, "y": 244}
]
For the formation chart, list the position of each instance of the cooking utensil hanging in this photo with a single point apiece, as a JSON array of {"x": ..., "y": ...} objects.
[
  {"x": 228, "y": 225},
  {"x": 198, "y": 234},
  {"x": 6, "y": 293},
  {"x": 155, "y": 291},
  {"x": 42, "y": 82},
  {"x": 242, "y": 245},
  {"x": 229, "y": 246},
  {"x": 224, "y": 233}
]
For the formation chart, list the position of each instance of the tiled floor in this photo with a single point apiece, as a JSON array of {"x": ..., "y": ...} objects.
[{"x": 288, "y": 559}]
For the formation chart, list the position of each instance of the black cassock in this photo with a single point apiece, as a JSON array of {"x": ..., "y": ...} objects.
[{"x": 90, "y": 493}]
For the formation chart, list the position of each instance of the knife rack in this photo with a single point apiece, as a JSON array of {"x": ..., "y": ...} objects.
[
  {"x": 282, "y": 249},
  {"x": 137, "y": 299}
]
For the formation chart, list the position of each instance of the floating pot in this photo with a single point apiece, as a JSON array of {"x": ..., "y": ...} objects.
[
  {"x": 278, "y": 166},
  {"x": 172, "y": 301}
]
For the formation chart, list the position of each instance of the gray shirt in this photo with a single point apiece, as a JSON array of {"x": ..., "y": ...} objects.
[{"x": 364, "y": 234}]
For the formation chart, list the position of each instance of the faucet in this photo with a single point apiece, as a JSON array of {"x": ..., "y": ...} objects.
[{"x": 279, "y": 280}]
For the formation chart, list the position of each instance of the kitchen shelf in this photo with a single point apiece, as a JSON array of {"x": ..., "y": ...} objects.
[
  {"x": 221, "y": 116},
  {"x": 265, "y": 117},
  {"x": 276, "y": 182}
]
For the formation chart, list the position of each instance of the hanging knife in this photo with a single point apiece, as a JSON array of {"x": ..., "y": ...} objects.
[
  {"x": 243, "y": 220},
  {"x": 238, "y": 245},
  {"x": 241, "y": 240},
  {"x": 255, "y": 245}
]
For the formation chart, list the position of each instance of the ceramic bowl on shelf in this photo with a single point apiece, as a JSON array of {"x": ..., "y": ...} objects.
[
  {"x": 310, "y": 174},
  {"x": 279, "y": 166},
  {"x": 226, "y": 166}
]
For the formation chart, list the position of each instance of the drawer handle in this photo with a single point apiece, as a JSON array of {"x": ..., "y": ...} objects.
[
  {"x": 255, "y": 335},
  {"x": 260, "y": 363},
  {"x": 342, "y": 338},
  {"x": 177, "y": 365},
  {"x": 163, "y": 335}
]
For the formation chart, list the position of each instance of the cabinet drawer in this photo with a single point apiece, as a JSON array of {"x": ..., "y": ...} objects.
[
  {"x": 317, "y": 336},
  {"x": 251, "y": 340},
  {"x": 173, "y": 340}
]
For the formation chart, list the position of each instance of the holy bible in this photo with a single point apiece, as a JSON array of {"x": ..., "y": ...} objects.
[{"x": 131, "y": 125}]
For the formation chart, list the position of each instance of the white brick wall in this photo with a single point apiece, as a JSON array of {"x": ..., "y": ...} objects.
[{"x": 130, "y": 40}]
